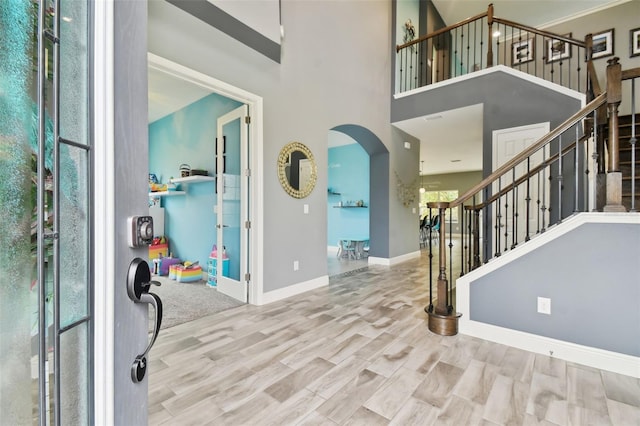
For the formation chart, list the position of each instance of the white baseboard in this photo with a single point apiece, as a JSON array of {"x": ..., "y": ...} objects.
[
  {"x": 394, "y": 260},
  {"x": 292, "y": 290},
  {"x": 585, "y": 355}
]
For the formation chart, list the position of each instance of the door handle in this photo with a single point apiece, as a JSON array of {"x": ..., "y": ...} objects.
[{"x": 138, "y": 284}]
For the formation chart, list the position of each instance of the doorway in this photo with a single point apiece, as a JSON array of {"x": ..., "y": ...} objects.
[{"x": 215, "y": 212}]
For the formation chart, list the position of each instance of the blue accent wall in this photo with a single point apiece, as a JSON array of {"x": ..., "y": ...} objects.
[
  {"x": 188, "y": 136},
  {"x": 348, "y": 175}
]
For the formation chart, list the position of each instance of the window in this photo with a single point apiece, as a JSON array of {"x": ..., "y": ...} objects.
[{"x": 433, "y": 196}]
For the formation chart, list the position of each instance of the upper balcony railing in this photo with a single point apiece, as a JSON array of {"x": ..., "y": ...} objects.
[{"x": 482, "y": 41}]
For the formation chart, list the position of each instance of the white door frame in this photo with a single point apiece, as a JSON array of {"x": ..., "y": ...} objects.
[{"x": 256, "y": 198}]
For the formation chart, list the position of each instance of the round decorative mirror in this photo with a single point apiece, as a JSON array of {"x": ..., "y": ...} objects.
[{"x": 297, "y": 170}]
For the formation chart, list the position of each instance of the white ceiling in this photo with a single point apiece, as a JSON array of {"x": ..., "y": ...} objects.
[
  {"x": 168, "y": 94},
  {"x": 535, "y": 13},
  {"x": 446, "y": 146}
]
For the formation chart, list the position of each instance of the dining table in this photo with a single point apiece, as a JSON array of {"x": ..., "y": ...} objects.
[{"x": 358, "y": 243}]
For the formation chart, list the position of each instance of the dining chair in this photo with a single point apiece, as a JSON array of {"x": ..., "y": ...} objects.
[{"x": 347, "y": 248}]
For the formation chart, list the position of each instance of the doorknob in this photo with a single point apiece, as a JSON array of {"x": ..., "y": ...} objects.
[{"x": 138, "y": 284}]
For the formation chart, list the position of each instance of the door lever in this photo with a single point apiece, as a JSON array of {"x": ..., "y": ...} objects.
[{"x": 138, "y": 285}]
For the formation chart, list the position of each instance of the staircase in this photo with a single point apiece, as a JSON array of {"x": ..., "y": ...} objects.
[{"x": 625, "y": 133}]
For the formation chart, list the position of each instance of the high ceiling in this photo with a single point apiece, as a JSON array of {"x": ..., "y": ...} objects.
[
  {"x": 437, "y": 155},
  {"x": 535, "y": 13},
  {"x": 168, "y": 94}
]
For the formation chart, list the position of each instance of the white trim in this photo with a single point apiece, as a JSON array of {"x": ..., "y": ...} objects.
[
  {"x": 292, "y": 290},
  {"x": 497, "y": 68},
  {"x": 103, "y": 208},
  {"x": 598, "y": 358},
  {"x": 394, "y": 260},
  {"x": 582, "y": 13},
  {"x": 256, "y": 110},
  {"x": 585, "y": 355}
]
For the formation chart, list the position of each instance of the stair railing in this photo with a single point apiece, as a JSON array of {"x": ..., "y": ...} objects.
[
  {"x": 482, "y": 41},
  {"x": 628, "y": 145},
  {"x": 548, "y": 181}
]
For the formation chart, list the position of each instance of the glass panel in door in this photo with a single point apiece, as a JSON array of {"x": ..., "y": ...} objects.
[
  {"x": 18, "y": 272},
  {"x": 231, "y": 162},
  {"x": 45, "y": 369}
]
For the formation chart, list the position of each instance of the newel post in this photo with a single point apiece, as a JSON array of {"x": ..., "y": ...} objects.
[
  {"x": 490, "y": 36},
  {"x": 614, "y": 176},
  {"x": 443, "y": 319}
]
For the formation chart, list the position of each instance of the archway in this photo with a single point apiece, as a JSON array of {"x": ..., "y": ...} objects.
[{"x": 378, "y": 186}]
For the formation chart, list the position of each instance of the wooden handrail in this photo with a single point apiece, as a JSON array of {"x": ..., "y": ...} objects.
[
  {"x": 543, "y": 33},
  {"x": 631, "y": 73},
  {"x": 524, "y": 177},
  {"x": 441, "y": 31},
  {"x": 591, "y": 71},
  {"x": 589, "y": 108}
]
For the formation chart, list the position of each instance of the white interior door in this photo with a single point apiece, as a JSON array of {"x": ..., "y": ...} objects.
[
  {"x": 507, "y": 143},
  {"x": 232, "y": 213}
]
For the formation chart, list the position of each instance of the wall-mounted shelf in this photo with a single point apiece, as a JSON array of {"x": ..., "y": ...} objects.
[
  {"x": 349, "y": 207},
  {"x": 333, "y": 193},
  {"x": 165, "y": 193},
  {"x": 193, "y": 179}
]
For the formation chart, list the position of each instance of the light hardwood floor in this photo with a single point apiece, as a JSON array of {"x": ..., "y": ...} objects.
[{"x": 359, "y": 352}]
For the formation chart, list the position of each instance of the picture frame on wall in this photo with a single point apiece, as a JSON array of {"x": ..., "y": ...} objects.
[
  {"x": 602, "y": 44},
  {"x": 558, "y": 50},
  {"x": 522, "y": 51},
  {"x": 634, "y": 42}
]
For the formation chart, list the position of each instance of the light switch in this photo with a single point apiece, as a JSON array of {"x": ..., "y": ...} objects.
[{"x": 306, "y": 209}]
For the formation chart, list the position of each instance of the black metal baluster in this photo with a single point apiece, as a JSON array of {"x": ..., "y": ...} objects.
[
  {"x": 430, "y": 260},
  {"x": 560, "y": 186},
  {"x": 577, "y": 171},
  {"x": 543, "y": 209},
  {"x": 514, "y": 209},
  {"x": 538, "y": 207},
  {"x": 498, "y": 218},
  {"x": 450, "y": 282},
  {"x": 528, "y": 203},
  {"x": 506, "y": 222},
  {"x": 486, "y": 223}
]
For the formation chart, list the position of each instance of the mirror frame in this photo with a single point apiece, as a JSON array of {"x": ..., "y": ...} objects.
[{"x": 283, "y": 159}]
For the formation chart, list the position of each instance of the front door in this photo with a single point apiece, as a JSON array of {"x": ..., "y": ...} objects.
[{"x": 232, "y": 213}]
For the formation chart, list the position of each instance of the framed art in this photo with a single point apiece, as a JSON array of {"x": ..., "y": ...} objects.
[
  {"x": 522, "y": 51},
  {"x": 634, "y": 42},
  {"x": 558, "y": 49},
  {"x": 602, "y": 44}
]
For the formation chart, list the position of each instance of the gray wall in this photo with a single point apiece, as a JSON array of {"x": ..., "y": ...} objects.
[
  {"x": 622, "y": 19},
  {"x": 330, "y": 75},
  {"x": 594, "y": 292}
]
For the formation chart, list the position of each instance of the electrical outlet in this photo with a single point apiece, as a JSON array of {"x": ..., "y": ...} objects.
[
  {"x": 544, "y": 305},
  {"x": 296, "y": 265}
]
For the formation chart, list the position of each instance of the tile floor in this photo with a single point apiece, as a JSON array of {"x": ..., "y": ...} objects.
[{"x": 359, "y": 352}]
